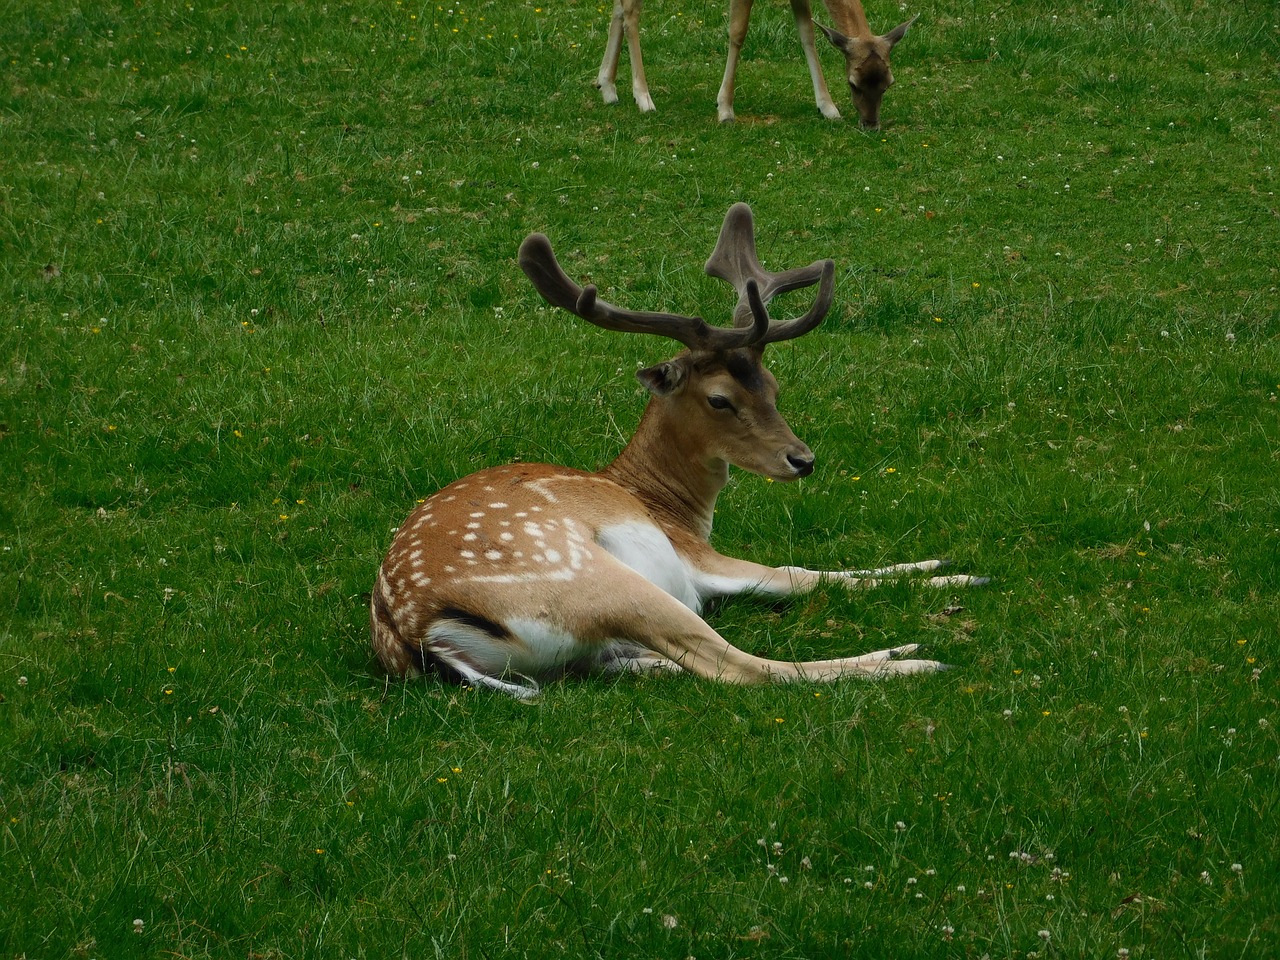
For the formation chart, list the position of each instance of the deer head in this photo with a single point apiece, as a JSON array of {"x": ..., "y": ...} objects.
[
  {"x": 867, "y": 67},
  {"x": 716, "y": 403}
]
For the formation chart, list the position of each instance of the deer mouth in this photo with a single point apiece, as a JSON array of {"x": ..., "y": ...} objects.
[{"x": 801, "y": 465}]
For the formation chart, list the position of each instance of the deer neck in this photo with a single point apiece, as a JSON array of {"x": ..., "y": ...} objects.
[
  {"x": 849, "y": 18},
  {"x": 679, "y": 490}
]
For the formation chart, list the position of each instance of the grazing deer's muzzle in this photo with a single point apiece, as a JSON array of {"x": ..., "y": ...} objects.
[{"x": 801, "y": 463}]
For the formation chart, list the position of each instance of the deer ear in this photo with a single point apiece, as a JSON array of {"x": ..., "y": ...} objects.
[
  {"x": 900, "y": 31},
  {"x": 664, "y": 379},
  {"x": 838, "y": 39}
]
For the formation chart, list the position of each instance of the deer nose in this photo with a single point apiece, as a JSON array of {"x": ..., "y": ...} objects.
[{"x": 803, "y": 466}]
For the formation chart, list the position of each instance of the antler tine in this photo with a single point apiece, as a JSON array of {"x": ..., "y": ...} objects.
[
  {"x": 735, "y": 260},
  {"x": 791, "y": 329},
  {"x": 539, "y": 263}
]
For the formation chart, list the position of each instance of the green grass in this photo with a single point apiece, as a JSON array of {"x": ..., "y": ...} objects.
[{"x": 259, "y": 295}]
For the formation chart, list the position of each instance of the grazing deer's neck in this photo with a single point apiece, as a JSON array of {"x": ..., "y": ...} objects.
[
  {"x": 849, "y": 18},
  {"x": 677, "y": 490}
]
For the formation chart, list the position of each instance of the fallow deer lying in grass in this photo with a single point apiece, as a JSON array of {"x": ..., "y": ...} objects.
[
  {"x": 525, "y": 571},
  {"x": 866, "y": 56}
]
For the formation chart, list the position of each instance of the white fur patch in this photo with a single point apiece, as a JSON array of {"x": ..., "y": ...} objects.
[
  {"x": 646, "y": 550},
  {"x": 546, "y": 647}
]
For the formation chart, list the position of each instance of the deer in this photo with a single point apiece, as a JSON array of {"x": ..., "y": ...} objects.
[
  {"x": 523, "y": 572},
  {"x": 866, "y": 56}
]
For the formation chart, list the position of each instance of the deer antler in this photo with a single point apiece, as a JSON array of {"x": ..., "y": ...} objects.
[
  {"x": 735, "y": 260},
  {"x": 538, "y": 261}
]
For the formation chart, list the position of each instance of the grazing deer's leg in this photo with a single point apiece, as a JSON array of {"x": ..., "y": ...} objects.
[
  {"x": 607, "y": 79},
  {"x": 804, "y": 26},
  {"x": 639, "y": 85},
  {"x": 625, "y": 19},
  {"x": 739, "y": 18}
]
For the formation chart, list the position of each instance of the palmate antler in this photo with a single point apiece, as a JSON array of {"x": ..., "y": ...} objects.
[{"x": 734, "y": 259}]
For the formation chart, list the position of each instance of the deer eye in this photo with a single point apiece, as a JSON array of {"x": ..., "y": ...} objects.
[{"x": 718, "y": 402}]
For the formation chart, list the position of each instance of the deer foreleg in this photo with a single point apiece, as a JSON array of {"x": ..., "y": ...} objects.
[
  {"x": 739, "y": 18},
  {"x": 804, "y": 26},
  {"x": 625, "y": 20},
  {"x": 607, "y": 79},
  {"x": 721, "y": 576},
  {"x": 639, "y": 85}
]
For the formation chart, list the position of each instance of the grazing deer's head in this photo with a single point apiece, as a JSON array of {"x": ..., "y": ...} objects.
[
  {"x": 867, "y": 67},
  {"x": 716, "y": 401}
]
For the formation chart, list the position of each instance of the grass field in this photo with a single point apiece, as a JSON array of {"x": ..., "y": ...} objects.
[{"x": 260, "y": 295}]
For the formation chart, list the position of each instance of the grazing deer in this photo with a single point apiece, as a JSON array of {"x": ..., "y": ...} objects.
[
  {"x": 528, "y": 570},
  {"x": 866, "y": 56}
]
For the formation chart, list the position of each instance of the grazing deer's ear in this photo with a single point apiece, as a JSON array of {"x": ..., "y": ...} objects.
[
  {"x": 838, "y": 39},
  {"x": 900, "y": 31},
  {"x": 662, "y": 380}
]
